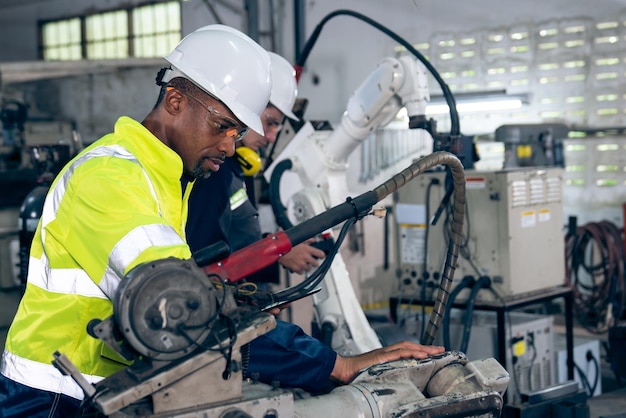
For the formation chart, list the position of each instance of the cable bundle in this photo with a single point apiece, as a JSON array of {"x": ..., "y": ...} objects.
[{"x": 597, "y": 249}]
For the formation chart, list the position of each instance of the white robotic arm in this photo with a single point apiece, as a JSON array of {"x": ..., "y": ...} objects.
[
  {"x": 317, "y": 181},
  {"x": 396, "y": 83}
]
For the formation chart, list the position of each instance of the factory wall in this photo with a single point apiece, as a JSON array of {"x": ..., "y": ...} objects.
[{"x": 346, "y": 51}]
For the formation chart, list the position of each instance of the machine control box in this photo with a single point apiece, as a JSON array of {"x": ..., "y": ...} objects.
[{"x": 513, "y": 231}]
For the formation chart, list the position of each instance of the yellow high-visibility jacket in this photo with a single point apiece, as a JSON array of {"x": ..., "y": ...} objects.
[{"x": 117, "y": 205}]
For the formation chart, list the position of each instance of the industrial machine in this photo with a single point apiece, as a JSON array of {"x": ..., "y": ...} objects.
[
  {"x": 513, "y": 236},
  {"x": 533, "y": 145},
  {"x": 15, "y": 180},
  {"x": 31, "y": 153},
  {"x": 30, "y": 148},
  {"x": 184, "y": 327}
]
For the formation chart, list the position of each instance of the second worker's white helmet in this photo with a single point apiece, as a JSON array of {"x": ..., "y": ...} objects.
[{"x": 284, "y": 86}]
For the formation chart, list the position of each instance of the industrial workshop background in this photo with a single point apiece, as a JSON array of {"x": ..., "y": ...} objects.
[{"x": 540, "y": 89}]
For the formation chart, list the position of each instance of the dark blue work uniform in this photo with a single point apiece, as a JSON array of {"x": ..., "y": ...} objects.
[{"x": 285, "y": 354}]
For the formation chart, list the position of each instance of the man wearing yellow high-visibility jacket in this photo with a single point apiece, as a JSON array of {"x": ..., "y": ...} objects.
[{"x": 119, "y": 204}]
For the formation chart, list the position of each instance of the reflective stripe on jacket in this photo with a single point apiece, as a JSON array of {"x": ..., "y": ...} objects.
[
  {"x": 238, "y": 198},
  {"x": 244, "y": 224},
  {"x": 117, "y": 205}
]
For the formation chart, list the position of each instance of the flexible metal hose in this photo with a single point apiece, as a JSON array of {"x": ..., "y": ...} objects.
[{"x": 456, "y": 236}]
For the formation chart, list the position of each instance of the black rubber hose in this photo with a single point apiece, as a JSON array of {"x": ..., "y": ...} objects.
[
  {"x": 308, "y": 285},
  {"x": 594, "y": 360},
  {"x": 468, "y": 281},
  {"x": 280, "y": 212},
  {"x": 386, "y": 240},
  {"x": 482, "y": 283},
  {"x": 584, "y": 380},
  {"x": 355, "y": 208},
  {"x": 447, "y": 94},
  {"x": 211, "y": 254}
]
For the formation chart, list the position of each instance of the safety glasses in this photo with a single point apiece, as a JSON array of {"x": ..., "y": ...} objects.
[{"x": 221, "y": 124}]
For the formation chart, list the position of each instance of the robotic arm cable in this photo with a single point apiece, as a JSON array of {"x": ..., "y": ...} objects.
[{"x": 306, "y": 50}]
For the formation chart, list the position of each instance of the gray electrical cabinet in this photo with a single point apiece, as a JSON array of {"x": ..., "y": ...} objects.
[{"x": 513, "y": 229}]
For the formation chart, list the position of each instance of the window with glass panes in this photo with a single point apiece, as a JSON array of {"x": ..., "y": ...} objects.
[
  {"x": 146, "y": 31},
  {"x": 156, "y": 29},
  {"x": 62, "y": 40},
  {"x": 106, "y": 35}
]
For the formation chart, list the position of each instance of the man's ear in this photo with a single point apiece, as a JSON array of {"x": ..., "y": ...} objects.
[{"x": 173, "y": 100}]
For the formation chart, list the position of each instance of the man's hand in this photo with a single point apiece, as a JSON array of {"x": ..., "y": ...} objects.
[
  {"x": 302, "y": 257},
  {"x": 347, "y": 367},
  {"x": 276, "y": 311}
]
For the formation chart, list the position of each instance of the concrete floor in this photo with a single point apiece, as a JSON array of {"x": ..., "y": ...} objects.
[
  {"x": 612, "y": 401},
  {"x": 610, "y": 404}
]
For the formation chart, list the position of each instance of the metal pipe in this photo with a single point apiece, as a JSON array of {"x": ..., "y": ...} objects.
[
  {"x": 299, "y": 18},
  {"x": 252, "y": 9}
]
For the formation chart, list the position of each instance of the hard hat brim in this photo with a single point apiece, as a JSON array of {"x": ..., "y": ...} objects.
[{"x": 291, "y": 115}]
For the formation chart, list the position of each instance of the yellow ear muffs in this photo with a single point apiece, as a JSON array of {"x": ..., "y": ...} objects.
[{"x": 249, "y": 160}]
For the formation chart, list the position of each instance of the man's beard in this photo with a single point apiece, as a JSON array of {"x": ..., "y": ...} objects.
[{"x": 198, "y": 172}]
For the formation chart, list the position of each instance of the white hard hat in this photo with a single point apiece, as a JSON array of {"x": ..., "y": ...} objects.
[
  {"x": 284, "y": 87},
  {"x": 228, "y": 65}
]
